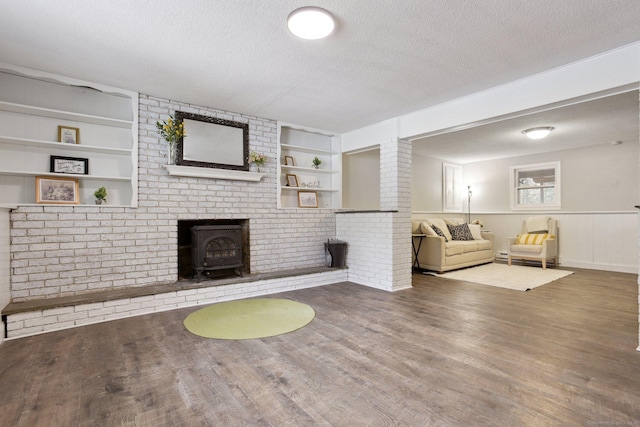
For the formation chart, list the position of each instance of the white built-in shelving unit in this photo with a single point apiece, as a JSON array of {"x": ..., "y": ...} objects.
[
  {"x": 32, "y": 106},
  {"x": 303, "y": 144}
]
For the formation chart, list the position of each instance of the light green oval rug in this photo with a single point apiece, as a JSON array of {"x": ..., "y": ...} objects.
[{"x": 249, "y": 318}]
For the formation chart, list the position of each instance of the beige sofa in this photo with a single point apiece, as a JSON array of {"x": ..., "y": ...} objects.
[{"x": 447, "y": 252}]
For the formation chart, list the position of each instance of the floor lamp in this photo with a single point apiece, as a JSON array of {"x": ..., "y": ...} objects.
[{"x": 468, "y": 204}]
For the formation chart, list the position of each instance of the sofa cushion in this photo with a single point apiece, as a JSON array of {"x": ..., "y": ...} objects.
[
  {"x": 425, "y": 228},
  {"x": 441, "y": 225},
  {"x": 532, "y": 239},
  {"x": 460, "y": 232},
  {"x": 454, "y": 221},
  {"x": 457, "y": 247},
  {"x": 439, "y": 232},
  {"x": 530, "y": 249},
  {"x": 475, "y": 231},
  {"x": 454, "y": 248}
]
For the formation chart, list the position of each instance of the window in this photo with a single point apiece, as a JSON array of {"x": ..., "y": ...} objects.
[
  {"x": 451, "y": 188},
  {"x": 535, "y": 186}
]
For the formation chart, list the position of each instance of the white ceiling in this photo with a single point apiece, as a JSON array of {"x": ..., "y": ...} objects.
[
  {"x": 598, "y": 121},
  {"x": 386, "y": 57}
]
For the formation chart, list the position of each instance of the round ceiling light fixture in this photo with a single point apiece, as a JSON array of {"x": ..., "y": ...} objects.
[
  {"x": 310, "y": 23},
  {"x": 538, "y": 133}
]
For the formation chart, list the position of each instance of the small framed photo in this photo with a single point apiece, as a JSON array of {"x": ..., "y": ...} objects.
[
  {"x": 307, "y": 199},
  {"x": 289, "y": 161},
  {"x": 75, "y": 165},
  {"x": 68, "y": 135},
  {"x": 57, "y": 190},
  {"x": 292, "y": 180}
]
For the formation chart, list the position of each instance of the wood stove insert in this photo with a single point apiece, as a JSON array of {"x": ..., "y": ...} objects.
[{"x": 216, "y": 247}]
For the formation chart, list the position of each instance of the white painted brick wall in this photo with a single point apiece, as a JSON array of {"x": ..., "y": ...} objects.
[
  {"x": 67, "y": 250},
  {"x": 37, "y": 322},
  {"x": 379, "y": 251}
]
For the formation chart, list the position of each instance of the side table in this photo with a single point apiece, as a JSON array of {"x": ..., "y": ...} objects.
[{"x": 416, "y": 249}]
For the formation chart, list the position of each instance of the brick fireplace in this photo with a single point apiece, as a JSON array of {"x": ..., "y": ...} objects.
[{"x": 70, "y": 250}]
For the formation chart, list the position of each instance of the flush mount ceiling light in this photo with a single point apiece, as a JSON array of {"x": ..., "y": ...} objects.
[
  {"x": 538, "y": 133},
  {"x": 310, "y": 23}
]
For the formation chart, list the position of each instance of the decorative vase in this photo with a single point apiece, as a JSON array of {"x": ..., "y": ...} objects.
[
  {"x": 99, "y": 201},
  {"x": 316, "y": 166},
  {"x": 171, "y": 154}
]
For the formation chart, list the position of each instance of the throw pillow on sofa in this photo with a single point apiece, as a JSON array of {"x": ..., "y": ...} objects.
[
  {"x": 460, "y": 232},
  {"x": 476, "y": 231},
  {"x": 442, "y": 225},
  {"x": 439, "y": 232}
]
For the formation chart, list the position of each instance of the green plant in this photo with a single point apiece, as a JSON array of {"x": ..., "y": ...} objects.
[
  {"x": 101, "y": 194},
  {"x": 316, "y": 161},
  {"x": 171, "y": 130}
]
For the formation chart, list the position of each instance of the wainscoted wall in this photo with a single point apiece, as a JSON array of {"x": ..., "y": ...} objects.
[
  {"x": 59, "y": 251},
  {"x": 595, "y": 240}
]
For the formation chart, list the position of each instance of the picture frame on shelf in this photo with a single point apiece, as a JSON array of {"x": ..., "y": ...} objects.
[
  {"x": 68, "y": 135},
  {"x": 292, "y": 180},
  {"x": 289, "y": 161},
  {"x": 307, "y": 199},
  {"x": 70, "y": 165},
  {"x": 59, "y": 191}
]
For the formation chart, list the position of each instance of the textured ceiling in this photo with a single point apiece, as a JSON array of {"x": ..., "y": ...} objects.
[
  {"x": 599, "y": 121},
  {"x": 386, "y": 57}
]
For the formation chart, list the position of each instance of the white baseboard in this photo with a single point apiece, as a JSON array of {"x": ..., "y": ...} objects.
[{"x": 633, "y": 269}]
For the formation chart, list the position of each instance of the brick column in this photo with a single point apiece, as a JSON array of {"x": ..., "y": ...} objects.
[{"x": 379, "y": 253}]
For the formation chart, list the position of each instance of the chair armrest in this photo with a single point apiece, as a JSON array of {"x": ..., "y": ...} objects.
[{"x": 550, "y": 248}]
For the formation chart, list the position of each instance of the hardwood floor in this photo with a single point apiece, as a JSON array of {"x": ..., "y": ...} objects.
[{"x": 443, "y": 353}]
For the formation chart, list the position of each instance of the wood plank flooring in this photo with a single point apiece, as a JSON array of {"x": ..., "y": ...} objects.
[{"x": 444, "y": 353}]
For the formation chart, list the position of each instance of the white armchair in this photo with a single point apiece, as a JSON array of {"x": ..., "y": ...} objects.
[{"x": 538, "y": 241}]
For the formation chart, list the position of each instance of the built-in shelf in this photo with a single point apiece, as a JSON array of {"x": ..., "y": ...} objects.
[
  {"x": 329, "y": 190},
  {"x": 64, "y": 115},
  {"x": 305, "y": 149},
  {"x": 61, "y": 146},
  {"x": 212, "y": 173},
  {"x": 303, "y": 169},
  {"x": 33, "y": 107},
  {"x": 301, "y": 146},
  {"x": 65, "y": 175}
]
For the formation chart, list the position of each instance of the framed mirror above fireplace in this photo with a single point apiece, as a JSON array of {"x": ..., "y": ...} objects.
[{"x": 210, "y": 142}]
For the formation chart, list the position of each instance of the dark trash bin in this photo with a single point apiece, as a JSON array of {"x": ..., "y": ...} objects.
[{"x": 337, "y": 250}]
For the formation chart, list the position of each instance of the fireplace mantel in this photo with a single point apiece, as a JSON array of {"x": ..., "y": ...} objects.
[{"x": 212, "y": 173}]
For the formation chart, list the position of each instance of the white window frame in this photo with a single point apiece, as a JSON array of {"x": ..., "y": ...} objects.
[
  {"x": 534, "y": 206},
  {"x": 451, "y": 188}
]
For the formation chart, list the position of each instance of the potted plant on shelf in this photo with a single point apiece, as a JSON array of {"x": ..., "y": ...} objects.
[
  {"x": 171, "y": 131},
  {"x": 316, "y": 162},
  {"x": 258, "y": 159},
  {"x": 100, "y": 195}
]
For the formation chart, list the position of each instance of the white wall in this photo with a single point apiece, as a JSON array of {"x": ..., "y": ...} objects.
[
  {"x": 597, "y": 178},
  {"x": 426, "y": 189},
  {"x": 361, "y": 180}
]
